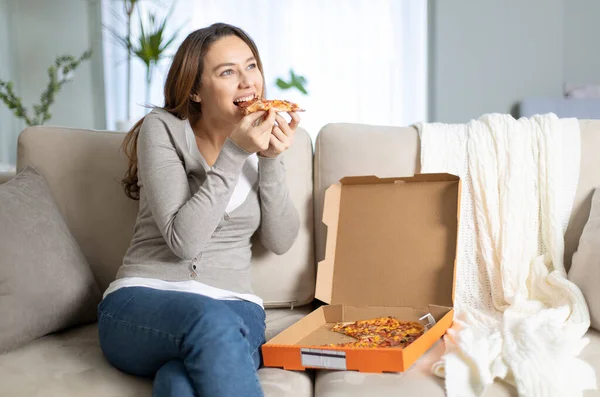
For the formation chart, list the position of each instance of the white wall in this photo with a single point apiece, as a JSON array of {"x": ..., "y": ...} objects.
[
  {"x": 488, "y": 55},
  {"x": 32, "y": 34},
  {"x": 582, "y": 49}
]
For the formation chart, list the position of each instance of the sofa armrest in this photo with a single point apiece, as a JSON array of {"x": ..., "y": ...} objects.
[{"x": 6, "y": 176}]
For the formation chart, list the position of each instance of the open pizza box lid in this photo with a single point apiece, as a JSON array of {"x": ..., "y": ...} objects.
[
  {"x": 390, "y": 241},
  {"x": 391, "y": 248}
]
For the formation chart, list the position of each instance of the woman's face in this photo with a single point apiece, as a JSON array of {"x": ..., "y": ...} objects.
[{"x": 230, "y": 74}]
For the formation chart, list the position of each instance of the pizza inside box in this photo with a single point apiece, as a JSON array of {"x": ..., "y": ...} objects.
[{"x": 391, "y": 250}]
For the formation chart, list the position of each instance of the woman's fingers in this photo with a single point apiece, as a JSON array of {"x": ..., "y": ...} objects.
[
  {"x": 279, "y": 134},
  {"x": 250, "y": 119},
  {"x": 283, "y": 125},
  {"x": 295, "y": 120},
  {"x": 284, "y": 140},
  {"x": 268, "y": 122},
  {"x": 277, "y": 144}
]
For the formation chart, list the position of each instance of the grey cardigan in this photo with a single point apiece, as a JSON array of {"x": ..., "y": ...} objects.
[{"x": 182, "y": 231}]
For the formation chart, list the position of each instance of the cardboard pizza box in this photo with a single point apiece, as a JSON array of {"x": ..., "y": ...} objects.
[{"x": 391, "y": 251}]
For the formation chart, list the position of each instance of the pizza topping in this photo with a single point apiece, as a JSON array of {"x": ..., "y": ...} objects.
[
  {"x": 258, "y": 104},
  {"x": 379, "y": 332}
]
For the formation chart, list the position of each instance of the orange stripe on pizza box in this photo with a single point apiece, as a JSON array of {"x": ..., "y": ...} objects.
[{"x": 391, "y": 251}]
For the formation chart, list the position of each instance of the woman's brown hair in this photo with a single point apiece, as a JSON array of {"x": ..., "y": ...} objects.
[{"x": 183, "y": 80}]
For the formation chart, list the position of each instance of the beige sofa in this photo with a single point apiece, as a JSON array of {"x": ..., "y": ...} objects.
[{"x": 82, "y": 168}]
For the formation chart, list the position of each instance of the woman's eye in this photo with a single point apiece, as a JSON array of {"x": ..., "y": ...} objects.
[
  {"x": 227, "y": 72},
  {"x": 252, "y": 66}
]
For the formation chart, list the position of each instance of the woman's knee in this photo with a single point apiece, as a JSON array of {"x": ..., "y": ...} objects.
[
  {"x": 173, "y": 368},
  {"x": 172, "y": 379}
]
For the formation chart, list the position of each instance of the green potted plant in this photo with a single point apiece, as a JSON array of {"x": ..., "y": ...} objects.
[
  {"x": 59, "y": 74},
  {"x": 150, "y": 46}
]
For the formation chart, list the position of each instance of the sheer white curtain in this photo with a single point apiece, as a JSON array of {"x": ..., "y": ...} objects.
[{"x": 365, "y": 60}]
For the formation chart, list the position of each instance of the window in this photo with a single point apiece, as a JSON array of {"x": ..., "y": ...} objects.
[{"x": 365, "y": 61}]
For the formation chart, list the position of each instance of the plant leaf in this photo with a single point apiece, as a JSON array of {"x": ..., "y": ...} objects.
[
  {"x": 301, "y": 89},
  {"x": 282, "y": 84},
  {"x": 151, "y": 44},
  {"x": 295, "y": 82}
]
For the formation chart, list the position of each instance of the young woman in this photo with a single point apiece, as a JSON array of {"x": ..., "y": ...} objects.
[{"x": 182, "y": 309}]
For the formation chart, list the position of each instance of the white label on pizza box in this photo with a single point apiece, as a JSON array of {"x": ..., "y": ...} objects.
[{"x": 332, "y": 359}]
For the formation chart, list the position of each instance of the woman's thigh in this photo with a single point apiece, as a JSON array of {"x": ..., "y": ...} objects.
[
  {"x": 254, "y": 317},
  {"x": 141, "y": 328}
]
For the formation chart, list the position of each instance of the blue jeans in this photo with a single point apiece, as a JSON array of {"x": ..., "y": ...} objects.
[{"x": 191, "y": 344}]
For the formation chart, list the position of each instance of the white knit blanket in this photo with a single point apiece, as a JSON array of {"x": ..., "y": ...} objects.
[{"x": 517, "y": 317}]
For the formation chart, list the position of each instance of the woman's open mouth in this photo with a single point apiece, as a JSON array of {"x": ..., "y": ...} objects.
[{"x": 241, "y": 100}]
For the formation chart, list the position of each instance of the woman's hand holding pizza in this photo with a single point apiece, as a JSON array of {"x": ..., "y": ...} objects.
[
  {"x": 252, "y": 134},
  {"x": 282, "y": 135}
]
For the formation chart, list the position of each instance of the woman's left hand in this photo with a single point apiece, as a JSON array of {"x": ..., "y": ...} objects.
[{"x": 282, "y": 135}]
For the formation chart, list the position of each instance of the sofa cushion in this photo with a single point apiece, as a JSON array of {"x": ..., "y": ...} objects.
[
  {"x": 45, "y": 281},
  {"x": 83, "y": 169},
  {"x": 589, "y": 179},
  {"x": 419, "y": 380},
  {"x": 70, "y": 363},
  {"x": 277, "y": 382},
  {"x": 279, "y": 319},
  {"x": 585, "y": 269},
  {"x": 354, "y": 149},
  {"x": 6, "y": 176}
]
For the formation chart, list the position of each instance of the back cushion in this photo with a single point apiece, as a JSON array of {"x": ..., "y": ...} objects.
[
  {"x": 352, "y": 149},
  {"x": 355, "y": 149},
  {"x": 6, "y": 176},
  {"x": 589, "y": 179},
  {"x": 83, "y": 169}
]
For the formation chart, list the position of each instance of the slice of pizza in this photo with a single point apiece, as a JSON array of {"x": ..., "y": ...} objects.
[{"x": 257, "y": 104}]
